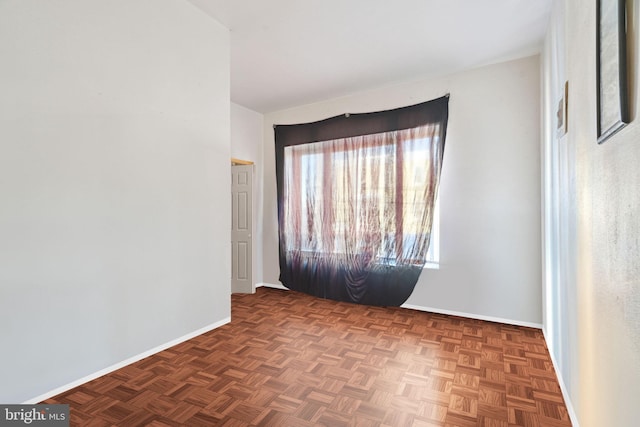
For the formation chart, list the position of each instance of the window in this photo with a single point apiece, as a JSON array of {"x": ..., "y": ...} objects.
[{"x": 361, "y": 194}]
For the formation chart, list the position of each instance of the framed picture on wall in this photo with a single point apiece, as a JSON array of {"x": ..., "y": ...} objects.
[{"x": 613, "y": 102}]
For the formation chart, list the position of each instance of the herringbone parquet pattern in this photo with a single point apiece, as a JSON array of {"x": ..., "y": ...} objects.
[{"x": 289, "y": 359}]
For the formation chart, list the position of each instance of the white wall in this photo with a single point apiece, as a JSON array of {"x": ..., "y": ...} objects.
[
  {"x": 246, "y": 144},
  {"x": 489, "y": 194},
  {"x": 592, "y": 301},
  {"x": 114, "y": 161}
]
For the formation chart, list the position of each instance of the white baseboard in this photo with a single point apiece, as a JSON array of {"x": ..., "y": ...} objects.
[
  {"x": 440, "y": 311},
  {"x": 573, "y": 416},
  {"x": 126, "y": 362},
  {"x": 474, "y": 316},
  {"x": 271, "y": 285}
]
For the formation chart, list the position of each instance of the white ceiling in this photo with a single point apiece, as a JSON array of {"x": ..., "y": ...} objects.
[{"x": 286, "y": 53}]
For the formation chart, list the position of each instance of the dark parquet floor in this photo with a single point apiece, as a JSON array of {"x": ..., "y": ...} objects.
[{"x": 289, "y": 359}]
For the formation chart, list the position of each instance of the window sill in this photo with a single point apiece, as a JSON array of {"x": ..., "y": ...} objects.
[{"x": 431, "y": 266}]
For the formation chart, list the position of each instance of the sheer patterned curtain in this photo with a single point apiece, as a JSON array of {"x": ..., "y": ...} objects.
[{"x": 355, "y": 211}]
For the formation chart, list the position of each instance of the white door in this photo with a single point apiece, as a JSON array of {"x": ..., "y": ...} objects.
[{"x": 241, "y": 196}]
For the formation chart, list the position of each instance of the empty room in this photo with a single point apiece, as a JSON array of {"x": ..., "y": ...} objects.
[{"x": 319, "y": 213}]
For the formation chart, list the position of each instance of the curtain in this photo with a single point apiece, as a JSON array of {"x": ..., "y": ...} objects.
[{"x": 356, "y": 197}]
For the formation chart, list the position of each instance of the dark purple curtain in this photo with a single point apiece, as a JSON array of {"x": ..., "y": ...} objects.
[{"x": 356, "y": 195}]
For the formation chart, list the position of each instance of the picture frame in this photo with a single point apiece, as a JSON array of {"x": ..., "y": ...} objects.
[{"x": 611, "y": 53}]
